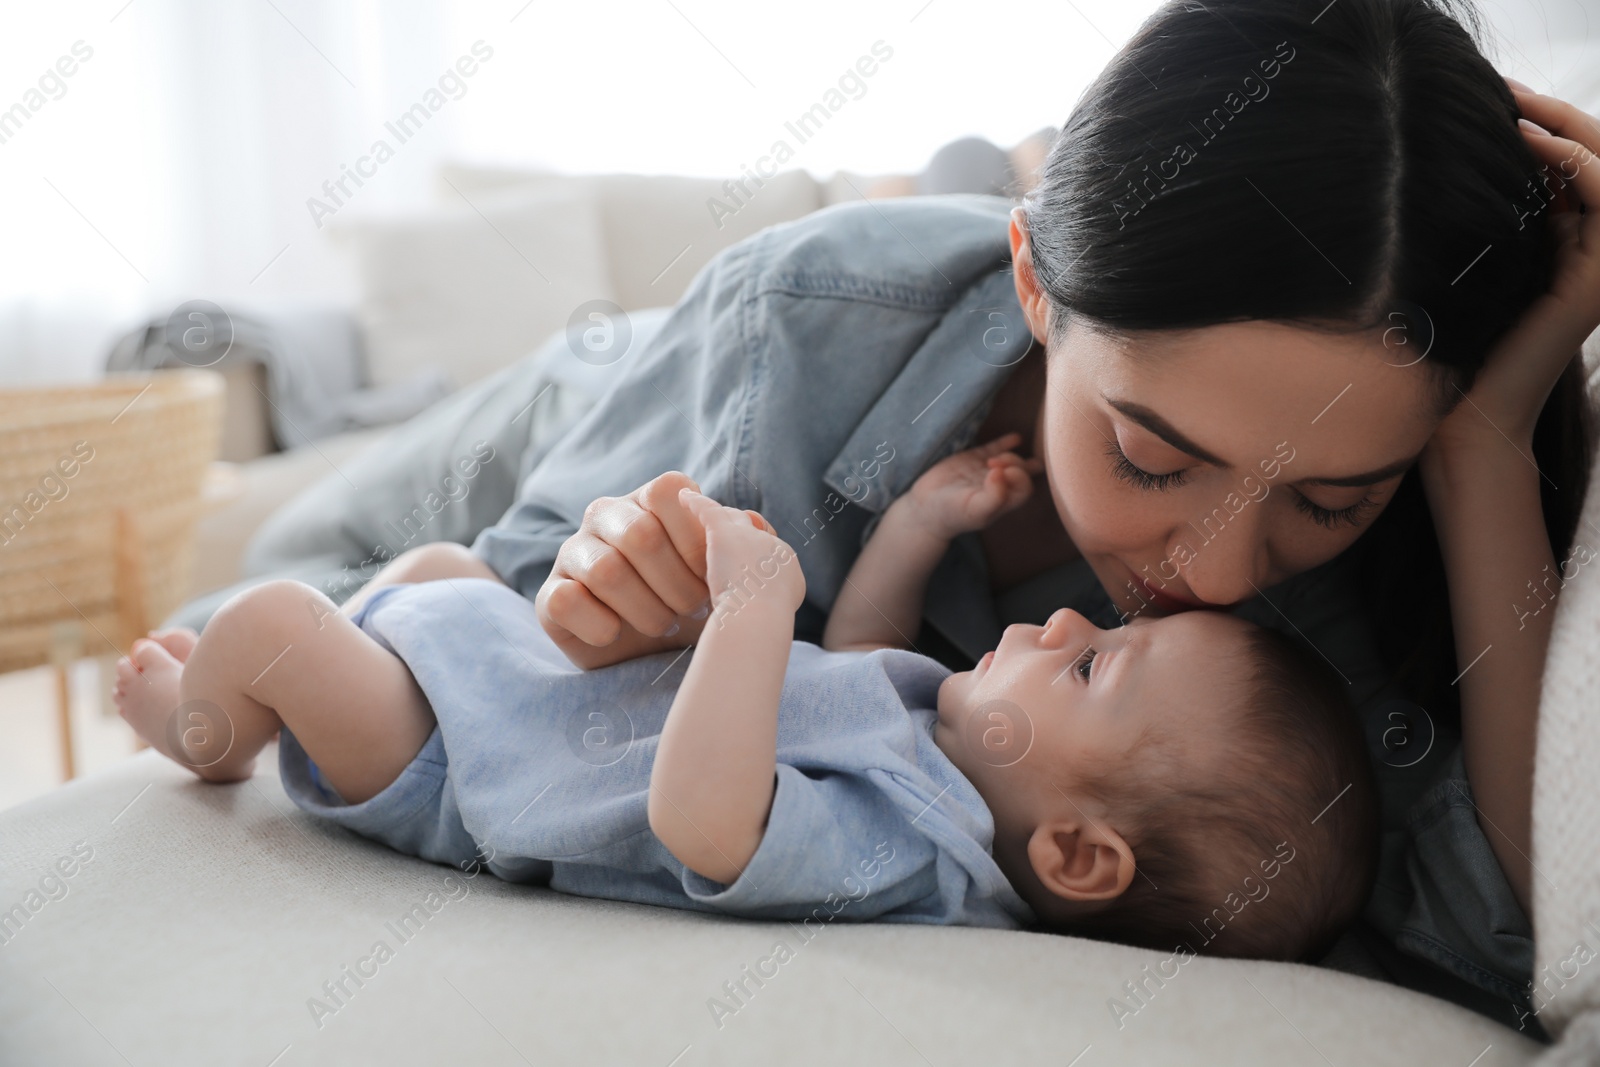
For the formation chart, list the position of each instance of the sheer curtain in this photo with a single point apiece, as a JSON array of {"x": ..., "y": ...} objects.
[
  {"x": 176, "y": 160},
  {"x": 185, "y": 153}
]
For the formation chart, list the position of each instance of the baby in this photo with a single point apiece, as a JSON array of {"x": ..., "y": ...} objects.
[{"x": 1185, "y": 781}]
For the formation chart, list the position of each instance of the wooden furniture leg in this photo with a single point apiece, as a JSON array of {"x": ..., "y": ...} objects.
[
  {"x": 131, "y": 583},
  {"x": 66, "y": 645}
]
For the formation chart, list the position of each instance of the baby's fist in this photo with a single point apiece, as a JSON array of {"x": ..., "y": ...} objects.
[
  {"x": 746, "y": 561},
  {"x": 969, "y": 490}
]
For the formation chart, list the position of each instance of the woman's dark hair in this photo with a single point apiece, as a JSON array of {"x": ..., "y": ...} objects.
[{"x": 1348, "y": 166}]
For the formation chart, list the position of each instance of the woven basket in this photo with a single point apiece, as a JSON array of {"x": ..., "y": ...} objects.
[{"x": 100, "y": 488}]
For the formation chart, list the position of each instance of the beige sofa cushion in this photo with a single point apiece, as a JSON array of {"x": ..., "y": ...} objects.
[
  {"x": 474, "y": 284},
  {"x": 659, "y": 229},
  {"x": 207, "y": 920}
]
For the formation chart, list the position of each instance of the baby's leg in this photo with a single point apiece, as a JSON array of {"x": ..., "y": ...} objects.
[
  {"x": 425, "y": 563},
  {"x": 281, "y": 655}
]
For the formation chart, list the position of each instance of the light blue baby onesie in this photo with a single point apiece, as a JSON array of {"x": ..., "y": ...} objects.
[{"x": 542, "y": 770}]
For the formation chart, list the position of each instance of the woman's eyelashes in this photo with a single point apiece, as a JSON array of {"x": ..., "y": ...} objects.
[
  {"x": 1333, "y": 519},
  {"x": 1124, "y": 469},
  {"x": 1328, "y": 518}
]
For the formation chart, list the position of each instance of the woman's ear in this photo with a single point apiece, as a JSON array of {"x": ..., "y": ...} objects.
[
  {"x": 1035, "y": 303},
  {"x": 1082, "y": 860}
]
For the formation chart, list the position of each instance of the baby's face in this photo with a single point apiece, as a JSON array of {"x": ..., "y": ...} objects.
[{"x": 1052, "y": 701}]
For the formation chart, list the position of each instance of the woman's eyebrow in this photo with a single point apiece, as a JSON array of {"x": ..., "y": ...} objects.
[
  {"x": 1164, "y": 430},
  {"x": 1361, "y": 481},
  {"x": 1168, "y": 433}
]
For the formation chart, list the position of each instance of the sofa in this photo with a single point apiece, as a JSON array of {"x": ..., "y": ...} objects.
[
  {"x": 186, "y": 923},
  {"x": 146, "y": 917}
]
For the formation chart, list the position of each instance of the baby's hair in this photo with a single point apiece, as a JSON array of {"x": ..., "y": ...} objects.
[{"x": 1275, "y": 854}]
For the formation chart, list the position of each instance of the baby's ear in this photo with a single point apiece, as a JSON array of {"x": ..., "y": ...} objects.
[{"x": 1081, "y": 859}]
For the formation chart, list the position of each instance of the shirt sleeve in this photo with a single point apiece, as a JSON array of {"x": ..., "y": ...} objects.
[
  {"x": 670, "y": 403},
  {"x": 1463, "y": 915},
  {"x": 835, "y": 847}
]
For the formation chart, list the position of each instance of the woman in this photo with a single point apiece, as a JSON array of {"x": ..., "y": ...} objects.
[
  {"x": 1268, "y": 253},
  {"x": 1271, "y": 250}
]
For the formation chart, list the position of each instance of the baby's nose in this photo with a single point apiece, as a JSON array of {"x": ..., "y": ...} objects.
[{"x": 1065, "y": 625}]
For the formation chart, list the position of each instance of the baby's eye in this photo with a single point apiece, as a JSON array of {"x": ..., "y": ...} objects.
[{"x": 1085, "y": 660}]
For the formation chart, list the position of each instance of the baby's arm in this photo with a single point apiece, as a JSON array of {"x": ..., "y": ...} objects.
[
  {"x": 715, "y": 769},
  {"x": 880, "y": 604}
]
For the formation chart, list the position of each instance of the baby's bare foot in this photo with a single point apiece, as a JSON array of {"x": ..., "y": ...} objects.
[
  {"x": 147, "y": 696},
  {"x": 146, "y": 691},
  {"x": 178, "y": 640}
]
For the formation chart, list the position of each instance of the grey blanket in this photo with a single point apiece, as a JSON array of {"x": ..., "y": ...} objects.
[{"x": 316, "y": 374}]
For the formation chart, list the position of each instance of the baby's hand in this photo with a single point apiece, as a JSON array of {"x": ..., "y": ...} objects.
[
  {"x": 746, "y": 561},
  {"x": 969, "y": 490}
]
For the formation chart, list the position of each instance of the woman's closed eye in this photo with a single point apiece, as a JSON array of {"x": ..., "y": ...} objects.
[
  {"x": 1334, "y": 518},
  {"x": 1124, "y": 468},
  {"x": 1328, "y": 518}
]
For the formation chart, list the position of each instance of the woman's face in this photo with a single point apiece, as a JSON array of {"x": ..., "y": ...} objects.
[{"x": 1196, "y": 468}]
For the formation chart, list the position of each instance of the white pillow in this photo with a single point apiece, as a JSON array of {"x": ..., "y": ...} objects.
[
  {"x": 472, "y": 286},
  {"x": 659, "y": 229}
]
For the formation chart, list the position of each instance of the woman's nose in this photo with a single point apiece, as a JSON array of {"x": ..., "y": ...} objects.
[{"x": 1231, "y": 566}]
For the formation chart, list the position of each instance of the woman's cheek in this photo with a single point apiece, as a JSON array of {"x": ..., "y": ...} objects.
[
  {"x": 1101, "y": 512},
  {"x": 1300, "y": 544},
  {"x": 1296, "y": 544}
]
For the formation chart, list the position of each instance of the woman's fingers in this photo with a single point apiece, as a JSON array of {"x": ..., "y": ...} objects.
[
  {"x": 652, "y": 560},
  {"x": 1560, "y": 118},
  {"x": 610, "y": 577},
  {"x": 1575, "y": 163},
  {"x": 688, "y": 535},
  {"x": 565, "y": 605}
]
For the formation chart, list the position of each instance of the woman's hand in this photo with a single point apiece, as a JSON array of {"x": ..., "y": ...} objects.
[
  {"x": 1517, "y": 378},
  {"x": 969, "y": 490},
  {"x": 746, "y": 560},
  {"x": 631, "y": 580}
]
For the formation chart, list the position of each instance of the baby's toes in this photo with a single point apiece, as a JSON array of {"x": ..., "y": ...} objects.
[{"x": 179, "y": 641}]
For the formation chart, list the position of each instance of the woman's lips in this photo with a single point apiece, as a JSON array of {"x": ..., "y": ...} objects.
[
  {"x": 1167, "y": 603},
  {"x": 985, "y": 659}
]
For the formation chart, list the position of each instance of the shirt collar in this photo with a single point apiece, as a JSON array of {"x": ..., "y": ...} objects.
[{"x": 958, "y": 369}]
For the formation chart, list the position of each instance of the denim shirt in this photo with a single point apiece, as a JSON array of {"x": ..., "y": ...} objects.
[{"x": 814, "y": 370}]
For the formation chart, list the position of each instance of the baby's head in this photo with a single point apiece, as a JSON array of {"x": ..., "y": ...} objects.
[{"x": 1193, "y": 780}]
